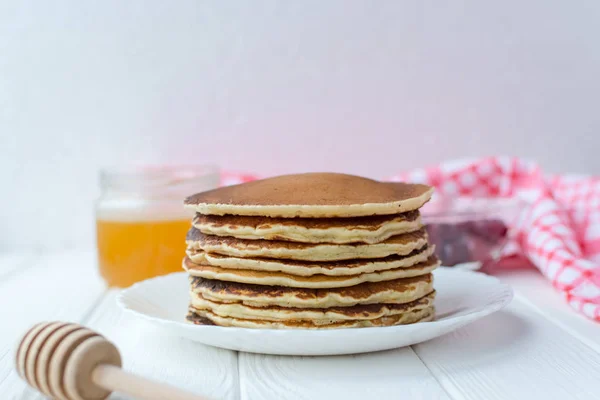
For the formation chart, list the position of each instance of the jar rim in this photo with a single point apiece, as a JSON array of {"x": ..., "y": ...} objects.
[{"x": 140, "y": 176}]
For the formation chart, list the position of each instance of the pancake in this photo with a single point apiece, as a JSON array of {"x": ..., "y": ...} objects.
[
  {"x": 308, "y": 268},
  {"x": 205, "y": 317},
  {"x": 318, "y": 316},
  {"x": 400, "y": 244},
  {"x": 391, "y": 292},
  {"x": 373, "y": 229},
  {"x": 314, "y": 281},
  {"x": 312, "y": 195}
]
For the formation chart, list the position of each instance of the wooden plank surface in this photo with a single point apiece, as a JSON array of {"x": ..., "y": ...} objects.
[
  {"x": 13, "y": 264},
  {"x": 52, "y": 287},
  {"x": 146, "y": 351},
  {"x": 537, "y": 292},
  {"x": 383, "y": 375},
  {"x": 537, "y": 347},
  {"x": 513, "y": 354}
]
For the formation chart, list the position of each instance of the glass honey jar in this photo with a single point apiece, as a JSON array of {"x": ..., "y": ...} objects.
[{"x": 140, "y": 220}]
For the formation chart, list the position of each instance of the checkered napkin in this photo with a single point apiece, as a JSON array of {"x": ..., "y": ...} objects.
[{"x": 559, "y": 230}]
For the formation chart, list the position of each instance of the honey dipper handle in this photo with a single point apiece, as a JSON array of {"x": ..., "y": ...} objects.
[{"x": 114, "y": 378}]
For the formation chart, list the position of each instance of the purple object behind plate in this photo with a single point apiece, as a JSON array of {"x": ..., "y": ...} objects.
[{"x": 469, "y": 232}]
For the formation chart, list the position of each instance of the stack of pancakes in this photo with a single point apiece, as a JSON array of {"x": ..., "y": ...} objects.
[{"x": 314, "y": 251}]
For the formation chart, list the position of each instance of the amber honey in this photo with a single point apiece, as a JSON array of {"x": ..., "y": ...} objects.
[
  {"x": 131, "y": 251},
  {"x": 141, "y": 223}
]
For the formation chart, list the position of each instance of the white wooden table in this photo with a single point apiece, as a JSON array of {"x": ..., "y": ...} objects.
[{"x": 535, "y": 347}]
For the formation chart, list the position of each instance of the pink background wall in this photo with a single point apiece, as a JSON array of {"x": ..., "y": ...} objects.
[{"x": 272, "y": 86}]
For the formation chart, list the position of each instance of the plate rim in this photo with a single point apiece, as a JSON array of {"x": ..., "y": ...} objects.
[{"x": 463, "y": 319}]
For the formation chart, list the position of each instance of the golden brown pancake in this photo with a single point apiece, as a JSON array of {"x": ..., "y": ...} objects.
[
  {"x": 372, "y": 229},
  {"x": 400, "y": 244},
  {"x": 314, "y": 281},
  {"x": 310, "y": 251},
  {"x": 205, "y": 317},
  {"x": 391, "y": 292},
  {"x": 308, "y": 268},
  {"x": 318, "y": 316},
  {"x": 312, "y": 195}
]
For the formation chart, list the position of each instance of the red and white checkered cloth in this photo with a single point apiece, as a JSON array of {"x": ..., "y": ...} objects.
[{"x": 559, "y": 232}]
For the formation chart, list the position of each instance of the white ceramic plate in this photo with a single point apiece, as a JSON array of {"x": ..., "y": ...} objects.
[{"x": 462, "y": 297}]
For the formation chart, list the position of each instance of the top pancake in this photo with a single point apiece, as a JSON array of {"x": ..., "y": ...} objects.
[{"x": 312, "y": 195}]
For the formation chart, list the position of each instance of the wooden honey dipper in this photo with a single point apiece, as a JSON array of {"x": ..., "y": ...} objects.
[{"x": 70, "y": 362}]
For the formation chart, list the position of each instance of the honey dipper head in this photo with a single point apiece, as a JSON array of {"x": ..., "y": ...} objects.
[{"x": 58, "y": 359}]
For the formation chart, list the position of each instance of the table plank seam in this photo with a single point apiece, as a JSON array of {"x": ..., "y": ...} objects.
[
  {"x": 88, "y": 314},
  {"x": 5, "y": 354},
  {"x": 453, "y": 393},
  {"x": 237, "y": 374},
  {"x": 21, "y": 267},
  {"x": 559, "y": 324}
]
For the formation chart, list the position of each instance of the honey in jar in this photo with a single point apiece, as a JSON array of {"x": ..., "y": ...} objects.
[{"x": 140, "y": 221}]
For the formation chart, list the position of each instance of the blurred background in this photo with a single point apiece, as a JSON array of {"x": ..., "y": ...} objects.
[{"x": 366, "y": 87}]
